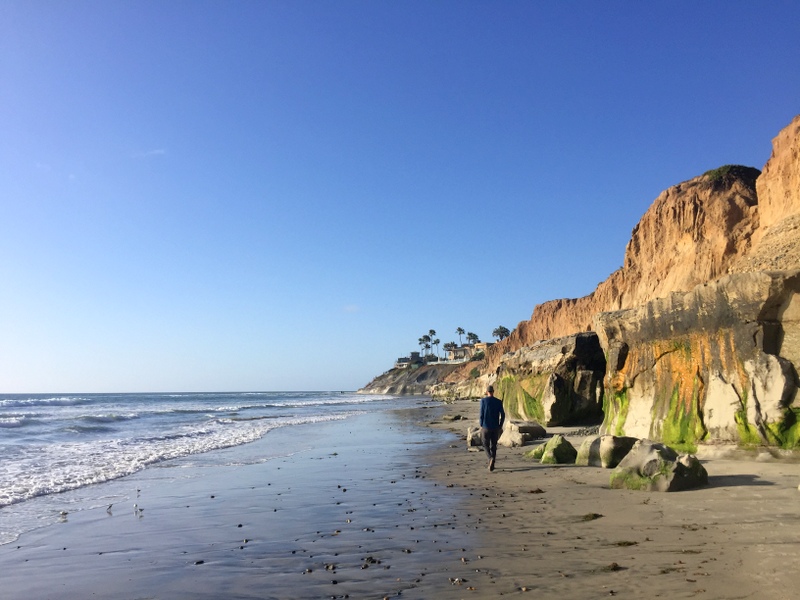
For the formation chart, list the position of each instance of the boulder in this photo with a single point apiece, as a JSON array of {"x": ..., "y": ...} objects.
[
  {"x": 474, "y": 438},
  {"x": 518, "y": 433},
  {"x": 604, "y": 451},
  {"x": 536, "y": 453},
  {"x": 558, "y": 451},
  {"x": 655, "y": 467}
]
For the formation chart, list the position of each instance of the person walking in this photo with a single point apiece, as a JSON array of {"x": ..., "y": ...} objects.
[{"x": 492, "y": 418}]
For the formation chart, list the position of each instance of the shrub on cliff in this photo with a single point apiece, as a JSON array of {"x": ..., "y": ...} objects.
[{"x": 725, "y": 175}]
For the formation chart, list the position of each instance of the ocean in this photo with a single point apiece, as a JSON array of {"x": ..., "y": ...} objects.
[{"x": 68, "y": 450}]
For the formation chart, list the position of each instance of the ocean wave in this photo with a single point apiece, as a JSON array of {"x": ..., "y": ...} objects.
[
  {"x": 110, "y": 418},
  {"x": 88, "y": 428},
  {"x": 15, "y": 421},
  {"x": 60, "y": 467},
  {"x": 257, "y": 418},
  {"x": 291, "y": 403},
  {"x": 52, "y": 401},
  {"x": 201, "y": 408},
  {"x": 336, "y": 401}
]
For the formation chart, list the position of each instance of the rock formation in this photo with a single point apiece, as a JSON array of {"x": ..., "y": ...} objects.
[
  {"x": 556, "y": 382},
  {"x": 702, "y": 343},
  {"x": 716, "y": 364},
  {"x": 776, "y": 242},
  {"x": 779, "y": 186},
  {"x": 708, "y": 220},
  {"x": 412, "y": 380}
]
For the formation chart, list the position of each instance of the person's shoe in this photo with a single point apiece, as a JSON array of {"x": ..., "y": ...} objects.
[{"x": 491, "y": 465}]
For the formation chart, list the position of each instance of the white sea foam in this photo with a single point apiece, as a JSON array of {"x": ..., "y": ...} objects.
[
  {"x": 47, "y": 469},
  {"x": 300, "y": 403},
  {"x": 10, "y": 422}
]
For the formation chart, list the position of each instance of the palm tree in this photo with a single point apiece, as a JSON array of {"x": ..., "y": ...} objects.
[
  {"x": 472, "y": 338},
  {"x": 426, "y": 341},
  {"x": 436, "y": 343},
  {"x": 459, "y": 332},
  {"x": 421, "y": 343},
  {"x": 450, "y": 347},
  {"x": 501, "y": 333}
]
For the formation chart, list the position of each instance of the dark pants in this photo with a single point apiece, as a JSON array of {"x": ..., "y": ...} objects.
[{"x": 489, "y": 439}]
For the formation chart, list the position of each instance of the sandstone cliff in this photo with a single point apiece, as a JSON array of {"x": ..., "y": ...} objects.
[
  {"x": 694, "y": 346},
  {"x": 732, "y": 219},
  {"x": 779, "y": 186},
  {"x": 717, "y": 364},
  {"x": 555, "y": 382},
  {"x": 412, "y": 380}
]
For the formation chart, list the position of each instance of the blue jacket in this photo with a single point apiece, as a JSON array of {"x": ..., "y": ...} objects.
[{"x": 492, "y": 414}]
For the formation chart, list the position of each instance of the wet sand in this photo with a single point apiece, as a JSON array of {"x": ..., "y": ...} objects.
[
  {"x": 347, "y": 514},
  {"x": 380, "y": 507}
]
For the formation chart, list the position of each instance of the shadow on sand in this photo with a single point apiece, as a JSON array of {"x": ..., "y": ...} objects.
[{"x": 736, "y": 481}]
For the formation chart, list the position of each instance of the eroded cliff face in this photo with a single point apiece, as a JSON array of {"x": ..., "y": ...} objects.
[
  {"x": 410, "y": 381},
  {"x": 779, "y": 185},
  {"x": 776, "y": 243},
  {"x": 707, "y": 223},
  {"x": 726, "y": 221},
  {"x": 554, "y": 382},
  {"x": 717, "y": 364}
]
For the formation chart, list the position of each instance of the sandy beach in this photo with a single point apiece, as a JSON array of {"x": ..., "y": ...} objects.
[
  {"x": 392, "y": 504},
  {"x": 561, "y": 532}
]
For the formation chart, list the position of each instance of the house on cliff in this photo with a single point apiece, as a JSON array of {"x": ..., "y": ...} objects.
[
  {"x": 406, "y": 361},
  {"x": 467, "y": 351}
]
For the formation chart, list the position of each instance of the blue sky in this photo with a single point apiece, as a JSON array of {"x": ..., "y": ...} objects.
[{"x": 205, "y": 196}]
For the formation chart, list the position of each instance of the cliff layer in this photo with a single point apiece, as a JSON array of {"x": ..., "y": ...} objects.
[{"x": 717, "y": 364}]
